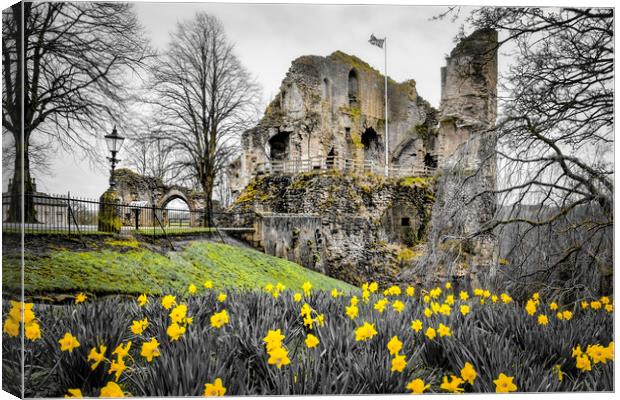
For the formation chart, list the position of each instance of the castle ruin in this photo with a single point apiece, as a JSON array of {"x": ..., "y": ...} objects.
[{"x": 313, "y": 167}]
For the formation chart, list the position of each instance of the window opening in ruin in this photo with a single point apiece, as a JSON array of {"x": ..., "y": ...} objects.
[
  {"x": 430, "y": 161},
  {"x": 331, "y": 158},
  {"x": 369, "y": 138},
  {"x": 353, "y": 89},
  {"x": 279, "y": 146},
  {"x": 326, "y": 94},
  {"x": 405, "y": 221}
]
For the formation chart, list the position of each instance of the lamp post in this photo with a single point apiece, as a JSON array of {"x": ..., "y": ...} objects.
[
  {"x": 109, "y": 219},
  {"x": 114, "y": 142}
]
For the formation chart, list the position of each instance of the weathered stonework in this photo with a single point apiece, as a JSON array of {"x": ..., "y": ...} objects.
[
  {"x": 459, "y": 249},
  {"x": 334, "y": 106},
  {"x": 354, "y": 227}
]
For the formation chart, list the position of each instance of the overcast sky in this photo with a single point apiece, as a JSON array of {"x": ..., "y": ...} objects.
[{"x": 268, "y": 37}]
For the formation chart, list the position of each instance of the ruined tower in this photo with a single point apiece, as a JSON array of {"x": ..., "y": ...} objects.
[{"x": 459, "y": 248}]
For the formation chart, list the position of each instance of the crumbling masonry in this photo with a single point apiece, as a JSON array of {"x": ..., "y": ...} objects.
[{"x": 315, "y": 163}]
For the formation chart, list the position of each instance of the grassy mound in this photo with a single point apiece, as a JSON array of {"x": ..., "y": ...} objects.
[{"x": 132, "y": 270}]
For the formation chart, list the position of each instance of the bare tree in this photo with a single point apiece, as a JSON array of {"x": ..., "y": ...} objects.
[
  {"x": 151, "y": 156},
  {"x": 554, "y": 152},
  {"x": 77, "y": 61},
  {"x": 204, "y": 98}
]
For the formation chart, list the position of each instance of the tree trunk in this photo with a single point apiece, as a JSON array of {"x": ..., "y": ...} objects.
[
  {"x": 21, "y": 133},
  {"x": 16, "y": 191},
  {"x": 208, "y": 188}
]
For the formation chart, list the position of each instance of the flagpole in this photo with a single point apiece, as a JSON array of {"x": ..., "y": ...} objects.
[{"x": 387, "y": 136}]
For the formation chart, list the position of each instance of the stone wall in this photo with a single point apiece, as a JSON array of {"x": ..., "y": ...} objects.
[{"x": 347, "y": 226}]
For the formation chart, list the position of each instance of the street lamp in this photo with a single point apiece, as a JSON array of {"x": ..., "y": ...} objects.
[{"x": 114, "y": 142}]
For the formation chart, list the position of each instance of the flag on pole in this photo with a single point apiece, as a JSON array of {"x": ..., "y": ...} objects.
[{"x": 376, "y": 42}]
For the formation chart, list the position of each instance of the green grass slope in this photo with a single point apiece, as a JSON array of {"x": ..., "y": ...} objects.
[{"x": 138, "y": 270}]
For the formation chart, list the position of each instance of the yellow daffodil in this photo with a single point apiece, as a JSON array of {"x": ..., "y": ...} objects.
[
  {"x": 279, "y": 357},
  {"x": 208, "y": 285},
  {"x": 168, "y": 301},
  {"x": 365, "y": 332},
  {"x": 567, "y": 315},
  {"x": 398, "y": 306},
  {"x": 380, "y": 305},
  {"x": 468, "y": 373},
  {"x": 417, "y": 386},
  {"x": 273, "y": 339},
  {"x": 33, "y": 331},
  {"x": 464, "y": 309},
  {"x": 505, "y": 298},
  {"x": 448, "y": 285},
  {"x": 604, "y": 300},
  {"x": 192, "y": 289},
  {"x": 96, "y": 356},
  {"x": 582, "y": 363},
  {"x": 142, "y": 300},
  {"x": 306, "y": 287},
  {"x": 311, "y": 341},
  {"x": 111, "y": 389},
  {"x": 504, "y": 384},
  {"x": 449, "y": 300},
  {"x": 352, "y": 311},
  {"x": 431, "y": 333},
  {"x": 178, "y": 313},
  {"x": 11, "y": 327},
  {"x": 595, "y": 305},
  {"x": 452, "y": 386},
  {"x": 557, "y": 369},
  {"x": 394, "y": 345},
  {"x": 215, "y": 389},
  {"x": 222, "y": 297},
  {"x": 74, "y": 394},
  {"x": 175, "y": 331},
  {"x": 137, "y": 327},
  {"x": 443, "y": 330},
  {"x": 117, "y": 367},
  {"x": 416, "y": 325},
  {"x": 542, "y": 319},
  {"x": 219, "y": 319},
  {"x": 80, "y": 298},
  {"x": 464, "y": 296},
  {"x": 553, "y": 306},
  {"x": 530, "y": 307},
  {"x": 122, "y": 351},
  {"x": 399, "y": 362},
  {"x": 150, "y": 349},
  {"x": 410, "y": 291},
  {"x": 373, "y": 287},
  {"x": 68, "y": 343},
  {"x": 297, "y": 297}
]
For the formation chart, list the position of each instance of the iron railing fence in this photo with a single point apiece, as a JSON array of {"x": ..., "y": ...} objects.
[{"x": 70, "y": 214}]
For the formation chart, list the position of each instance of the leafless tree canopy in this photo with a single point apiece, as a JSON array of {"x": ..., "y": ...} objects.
[
  {"x": 78, "y": 61},
  {"x": 203, "y": 99},
  {"x": 554, "y": 154}
]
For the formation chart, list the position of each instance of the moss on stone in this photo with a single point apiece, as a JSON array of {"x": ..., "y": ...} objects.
[{"x": 109, "y": 219}]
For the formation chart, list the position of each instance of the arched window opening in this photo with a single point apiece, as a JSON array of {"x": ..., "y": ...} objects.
[
  {"x": 279, "y": 146},
  {"x": 430, "y": 161},
  {"x": 353, "y": 89},
  {"x": 370, "y": 138},
  {"x": 326, "y": 91}
]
